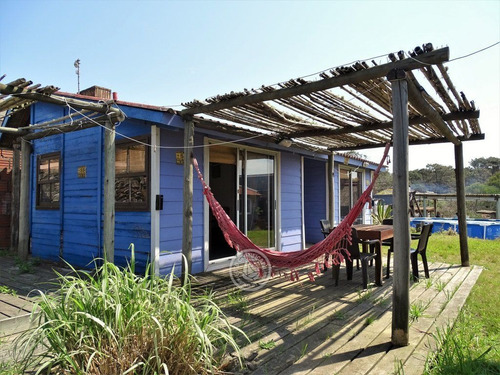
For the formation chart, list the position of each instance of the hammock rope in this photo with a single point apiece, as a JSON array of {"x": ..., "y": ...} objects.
[{"x": 333, "y": 248}]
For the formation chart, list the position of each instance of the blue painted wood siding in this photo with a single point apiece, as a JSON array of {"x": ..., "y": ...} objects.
[
  {"x": 78, "y": 221},
  {"x": 171, "y": 186},
  {"x": 291, "y": 202},
  {"x": 315, "y": 203}
]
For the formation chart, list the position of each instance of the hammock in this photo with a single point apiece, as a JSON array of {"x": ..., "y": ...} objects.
[{"x": 333, "y": 245}]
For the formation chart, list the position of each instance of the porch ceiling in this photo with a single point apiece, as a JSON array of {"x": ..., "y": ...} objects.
[{"x": 348, "y": 107}]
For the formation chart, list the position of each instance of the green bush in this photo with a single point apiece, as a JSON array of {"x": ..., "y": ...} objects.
[{"x": 115, "y": 322}]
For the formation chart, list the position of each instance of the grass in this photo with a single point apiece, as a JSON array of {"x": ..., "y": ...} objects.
[
  {"x": 6, "y": 290},
  {"x": 115, "y": 322},
  {"x": 471, "y": 345},
  {"x": 417, "y": 310},
  {"x": 267, "y": 345},
  {"x": 237, "y": 301}
]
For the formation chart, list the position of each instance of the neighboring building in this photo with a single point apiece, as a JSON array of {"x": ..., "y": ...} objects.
[
  {"x": 6, "y": 159},
  {"x": 276, "y": 195}
]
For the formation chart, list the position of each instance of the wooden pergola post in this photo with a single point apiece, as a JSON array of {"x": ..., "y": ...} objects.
[
  {"x": 401, "y": 280},
  {"x": 187, "y": 218},
  {"x": 16, "y": 183},
  {"x": 461, "y": 210},
  {"x": 24, "y": 201},
  {"x": 331, "y": 205},
  {"x": 109, "y": 193}
]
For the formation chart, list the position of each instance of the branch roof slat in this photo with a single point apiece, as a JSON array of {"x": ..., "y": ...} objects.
[{"x": 314, "y": 113}]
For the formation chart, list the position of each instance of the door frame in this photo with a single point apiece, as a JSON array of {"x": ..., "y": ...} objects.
[
  {"x": 212, "y": 265},
  {"x": 361, "y": 172}
]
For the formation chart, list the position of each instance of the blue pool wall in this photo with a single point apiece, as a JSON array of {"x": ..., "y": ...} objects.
[{"x": 487, "y": 229}]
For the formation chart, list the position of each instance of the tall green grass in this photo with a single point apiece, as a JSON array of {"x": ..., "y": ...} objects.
[
  {"x": 472, "y": 344},
  {"x": 115, "y": 322}
]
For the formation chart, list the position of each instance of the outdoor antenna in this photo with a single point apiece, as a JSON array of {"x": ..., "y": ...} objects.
[{"x": 77, "y": 66}]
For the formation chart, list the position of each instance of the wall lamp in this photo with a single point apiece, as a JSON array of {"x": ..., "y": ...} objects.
[{"x": 285, "y": 142}]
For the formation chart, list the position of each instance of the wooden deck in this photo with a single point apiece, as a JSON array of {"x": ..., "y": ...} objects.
[
  {"x": 17, "y": 298},
  {"x": 317, "y": 328},
  {"x": 308, "y": 327}
]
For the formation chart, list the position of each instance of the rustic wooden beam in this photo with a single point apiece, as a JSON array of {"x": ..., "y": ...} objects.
[
  {"x": 433, "y": 57},
  {"x": 10, "y": 130},
  {"x": 60, "y": 100},
  {"x": 401, "y": 281},
  {"x": 461, "y": 209},
  {"x": 418, "y": 101},
  {"x": 16, "y": 183},
  {"x": 109, "y": 193},
  {"x": 187, "y": 219},
  {"x": 463, "y": 115},
  {"x": 24, "y": 201},
  {"x": 66, "y": 128},
  {"x": 475, "y": 137}
]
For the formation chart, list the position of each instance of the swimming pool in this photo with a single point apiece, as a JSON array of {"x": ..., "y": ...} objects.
[{"x": 487, "y": 229}]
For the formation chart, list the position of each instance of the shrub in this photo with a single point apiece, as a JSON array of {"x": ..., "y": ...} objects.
[{"x": 115, "y": 322}]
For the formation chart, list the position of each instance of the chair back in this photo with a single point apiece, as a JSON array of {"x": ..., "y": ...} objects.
[
  {"x": 325, "y": 226},
  {"x": 424, "y": 237},
  {"x": 353, "y": 247}
]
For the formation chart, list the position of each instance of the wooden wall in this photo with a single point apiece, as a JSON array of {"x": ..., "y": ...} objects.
[
  {"x": 315, "y": 203},
  {"x": 171, "y": 187},
  {"x": 291, "y": 202},
  {"x": 74, "y": 231}
]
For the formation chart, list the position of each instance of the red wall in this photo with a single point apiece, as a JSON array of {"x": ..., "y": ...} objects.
[{"x": 5, "y": 196}]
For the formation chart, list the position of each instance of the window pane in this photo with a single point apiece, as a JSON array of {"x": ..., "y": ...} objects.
[
  {"x": 122, "y": 190},
  {"x": 137, "y": 158},
  {"x": 138, "y": 189},
  {"x": 43, "y": 171},
  {"x": 54, "y": 169},
  {"x": 54, "y": 192},
  {"x": 45, "y": 193},
  {"x": 121, "y": 160}
]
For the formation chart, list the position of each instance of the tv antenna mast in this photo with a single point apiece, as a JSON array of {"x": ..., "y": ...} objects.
[{"x": 77, "y": 66}]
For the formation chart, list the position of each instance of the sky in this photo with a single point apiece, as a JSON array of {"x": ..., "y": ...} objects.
[{"x": 169, "y": 52}]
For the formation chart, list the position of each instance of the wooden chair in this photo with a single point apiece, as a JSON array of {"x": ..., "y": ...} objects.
[
  {"x": 423, "y": 239},
  {"x": 363, "y": 257}
]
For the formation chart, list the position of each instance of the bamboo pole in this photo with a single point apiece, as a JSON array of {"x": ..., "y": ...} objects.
[
  {"x": 187, "y": 219},
  {"x": 109, "y": 193},
  {"x": 24, "y": 201},
  {"x": 401, "y": 284}
]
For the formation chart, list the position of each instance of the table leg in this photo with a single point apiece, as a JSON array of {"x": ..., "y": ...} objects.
[{"x": 378, "y": 263}]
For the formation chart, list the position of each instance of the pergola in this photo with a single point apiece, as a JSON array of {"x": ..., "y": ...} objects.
[{"x": 359, "y": 106}]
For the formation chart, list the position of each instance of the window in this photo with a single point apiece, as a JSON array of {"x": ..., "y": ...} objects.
[
  {"x": 132, "y": 176},
  {"x": 47, "y": 182}
]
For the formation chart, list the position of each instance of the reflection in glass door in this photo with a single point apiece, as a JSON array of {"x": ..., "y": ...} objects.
[
  {"x": 244, "y": 183},
  {"x": 350, "y": 191},
  {"x": 259, "y": 198}
]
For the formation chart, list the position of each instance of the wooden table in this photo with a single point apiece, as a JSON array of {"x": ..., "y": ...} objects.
[{"x": 379, "y": 233}]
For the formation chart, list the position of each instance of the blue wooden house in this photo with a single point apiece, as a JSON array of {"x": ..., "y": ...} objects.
[{"x": 275, "y": 194}]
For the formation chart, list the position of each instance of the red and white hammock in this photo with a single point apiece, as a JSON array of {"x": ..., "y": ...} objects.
[{"x": 261, "y": 258}]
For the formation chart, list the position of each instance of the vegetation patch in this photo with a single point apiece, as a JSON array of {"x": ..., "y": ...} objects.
[
  {"x": 115, "y": 322},
  {"x": 471, "y": 345}
]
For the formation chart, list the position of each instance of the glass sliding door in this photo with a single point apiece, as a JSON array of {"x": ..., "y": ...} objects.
[
  {"x": 350, "y": 190},
  {"x": 260, "y": 198},
  {"x": 243, "y": 182}
]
